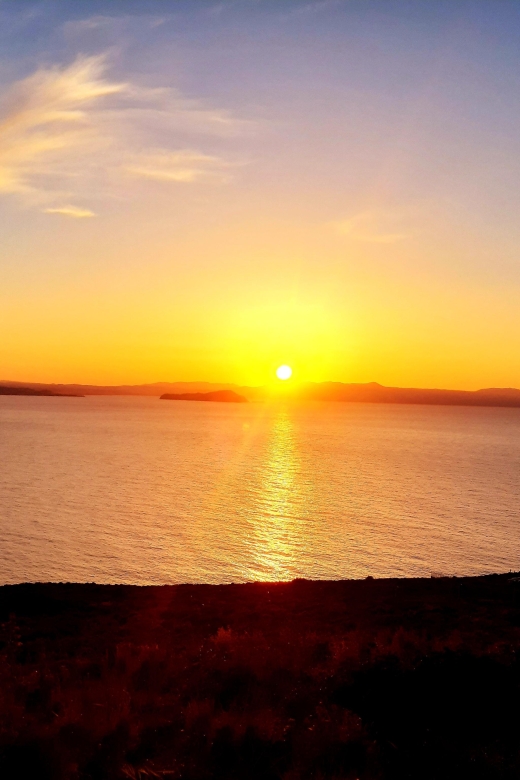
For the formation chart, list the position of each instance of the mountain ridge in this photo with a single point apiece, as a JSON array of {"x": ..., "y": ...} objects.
[{"x": 368, "y": 392}]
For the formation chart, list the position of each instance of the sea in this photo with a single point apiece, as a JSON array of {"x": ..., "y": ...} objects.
[{"x": 143, "y": 491}]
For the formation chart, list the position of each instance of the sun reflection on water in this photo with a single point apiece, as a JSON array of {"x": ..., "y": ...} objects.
[{"x": 276, "y": 524}]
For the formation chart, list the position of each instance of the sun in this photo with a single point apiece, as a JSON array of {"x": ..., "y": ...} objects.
[{"x": 284, "y": 372}]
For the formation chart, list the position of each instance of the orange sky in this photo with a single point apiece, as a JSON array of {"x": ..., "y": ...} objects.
[{"x": 204, "y": 195}]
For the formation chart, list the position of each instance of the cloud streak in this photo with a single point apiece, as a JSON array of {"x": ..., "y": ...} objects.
[
  {"x": 70, "y": 211},
  {"x": 69, "y": 133},
  {"x": 45, "y": 116},
  {"x": 181, "y": 166},
  {"x": 317, "y": 7},
  {"x": 370, "y": 227}
]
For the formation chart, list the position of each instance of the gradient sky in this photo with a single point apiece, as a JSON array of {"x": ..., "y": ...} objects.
[{"x": 204, "y": 190}]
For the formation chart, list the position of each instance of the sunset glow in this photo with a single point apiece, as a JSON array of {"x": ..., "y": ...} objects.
[
  {"x": 259, "y": 389},
  {"x": 329, "y": 189}
]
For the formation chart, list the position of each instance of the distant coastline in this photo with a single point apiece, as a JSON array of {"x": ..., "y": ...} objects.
[
  {"x": 370, "y": 392},
  {"x": 14, "y": 390}
]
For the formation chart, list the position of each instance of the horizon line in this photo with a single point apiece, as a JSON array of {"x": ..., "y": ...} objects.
[{"x": 286, "y": 385}]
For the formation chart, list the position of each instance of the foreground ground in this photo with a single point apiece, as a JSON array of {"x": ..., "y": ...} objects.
[{"x": 360, "y": 679}]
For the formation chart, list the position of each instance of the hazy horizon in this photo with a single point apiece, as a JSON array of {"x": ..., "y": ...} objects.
[
  {"x": 273, "y": 387},
  {"x": 271, "y": 383}
]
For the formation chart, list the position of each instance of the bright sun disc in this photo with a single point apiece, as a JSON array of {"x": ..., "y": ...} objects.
[{"x": 284, "y": 372}]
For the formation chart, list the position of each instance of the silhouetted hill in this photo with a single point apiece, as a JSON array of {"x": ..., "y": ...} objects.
[
  {"x": 376, "y": 393},
  {"x": 154, "y": 390},
  {"x": 13, "y": 390},
  {"x": 226, "y": 396},
  {"x": 370, "y": 392}
]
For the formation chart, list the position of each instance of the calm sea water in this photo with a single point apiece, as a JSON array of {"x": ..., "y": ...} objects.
[{"x": 146, "y": 491}]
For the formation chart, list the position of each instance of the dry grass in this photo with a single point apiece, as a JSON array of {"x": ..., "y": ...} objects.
[{"x": 410, "y": 679}]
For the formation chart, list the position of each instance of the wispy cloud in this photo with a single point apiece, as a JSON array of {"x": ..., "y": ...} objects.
[
  {"x": 316, "y": 7},
  {"x": 64, "y": 131},
  {"x": 70, "y": 211},
  {"x": 181, "y": 166},
  {"x": 91, "y": 23},
  {"x": 322, "y": 5},
  {"x": 372, "y": 227},
  {"x": 116, "y": 23},
  {"x": 45, "y": 116}
]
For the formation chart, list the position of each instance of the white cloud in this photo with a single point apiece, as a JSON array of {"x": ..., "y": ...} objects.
[{"x": 70, "y": 133}]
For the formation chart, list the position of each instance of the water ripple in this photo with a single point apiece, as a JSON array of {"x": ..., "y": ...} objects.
[{"x": 137, "y": 490}]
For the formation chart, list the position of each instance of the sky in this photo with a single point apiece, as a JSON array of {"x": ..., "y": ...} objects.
[{"x": 198, "y": 191}]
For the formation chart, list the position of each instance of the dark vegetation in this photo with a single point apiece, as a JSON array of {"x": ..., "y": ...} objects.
[
  {"x": 227, "y": 396},
  {"x": 369, "y": 679}
]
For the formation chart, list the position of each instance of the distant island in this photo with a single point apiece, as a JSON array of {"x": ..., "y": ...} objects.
[
  {"x": 226, "y": 396},
  {"x": 13, "y": 390}
]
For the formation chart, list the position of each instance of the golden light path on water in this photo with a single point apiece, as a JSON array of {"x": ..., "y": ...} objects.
[
  {"x": 276, "y": 529},
  {"x": 271, "y": 499}
]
